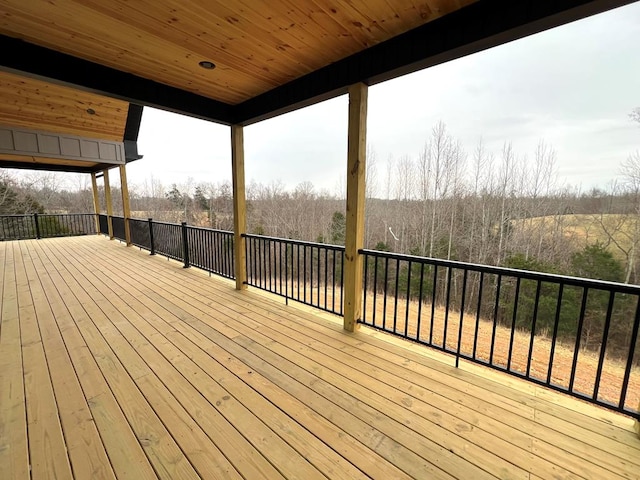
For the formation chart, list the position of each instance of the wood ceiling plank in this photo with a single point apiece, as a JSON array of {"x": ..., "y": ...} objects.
[
  {"x": 201, "y": 29},
  {"x": 311, "y": 23},
  {"x": 343, "y": 16},
  {"x": 38, "y": 105},
  {"x": 292, "y": 26}
]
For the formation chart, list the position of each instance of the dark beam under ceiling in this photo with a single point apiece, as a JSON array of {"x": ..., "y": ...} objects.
[{"x": 131, "y": 131}]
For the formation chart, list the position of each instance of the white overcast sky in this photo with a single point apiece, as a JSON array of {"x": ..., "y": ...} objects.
[{"x": 572, "y": 87}]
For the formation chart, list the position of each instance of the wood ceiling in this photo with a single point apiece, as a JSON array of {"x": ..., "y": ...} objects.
[
  {"x": 38, "y": 105},
  {"x": 257, "y": 45},
  {"x": 272, "y": 56}
]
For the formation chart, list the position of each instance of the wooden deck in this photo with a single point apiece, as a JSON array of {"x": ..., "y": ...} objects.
[{"x": 115, "y": 364}]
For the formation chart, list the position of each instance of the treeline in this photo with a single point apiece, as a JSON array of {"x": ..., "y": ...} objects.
[{"x": 481, "y": 207}]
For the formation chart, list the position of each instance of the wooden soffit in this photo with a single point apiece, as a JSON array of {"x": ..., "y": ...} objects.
[
  {"x": 271, "y": 56},
  {"x": 38, "y": 105}
]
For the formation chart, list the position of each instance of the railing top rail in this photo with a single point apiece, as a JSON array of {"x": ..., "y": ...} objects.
[
  {"x": 18, "y": 215},
  {"x": 295, "y": 242},
  {"x": 66, "y": 214},
  {"x": 511, "y": 272},
  {"x": 166, "y": 223},
  {"x": 207, "y": 229}
]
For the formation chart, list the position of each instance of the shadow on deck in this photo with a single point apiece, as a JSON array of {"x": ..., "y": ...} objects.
[{"x": 114, "y": 364}]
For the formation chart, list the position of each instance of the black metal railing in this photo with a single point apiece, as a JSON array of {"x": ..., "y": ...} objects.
[
  {"x": 309, "y": 273},
  {"x": 205, "y": 248},
  {"x": 17, "y": 227},
  {"x": 60, "y": 225},
  {"x": 211, "y": 250},
  {"x": 117, "y": 223},
  {"x": 20, "y": 227},
  {"x": 103, "y": 222},
  {"x": 167, "y": 239},
  {"x": 141, "y": 233},
  {"x": 574, "y": 335}
]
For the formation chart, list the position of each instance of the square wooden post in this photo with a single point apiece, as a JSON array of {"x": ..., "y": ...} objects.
[
  {"x": 637, "y": 424},
  {"x": 96, "y": 200},
  {"x": 354, "y": 235},
  {"x": 126, "y": 207},
  {"x": 239, "y": 206},
  {"x": 107, "y": 197}
]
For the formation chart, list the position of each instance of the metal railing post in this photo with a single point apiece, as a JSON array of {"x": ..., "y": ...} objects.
[
  {"x": 152, "y": 245},
  {"x": 185, "y": 245},
  {"x": 35, "y": 219}
]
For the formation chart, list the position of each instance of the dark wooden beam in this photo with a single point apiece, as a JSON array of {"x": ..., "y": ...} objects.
[
  {"x": 23, "y": 58},
  {"x": 134, "y": 119},
  {"x": 479, "y": 26}
]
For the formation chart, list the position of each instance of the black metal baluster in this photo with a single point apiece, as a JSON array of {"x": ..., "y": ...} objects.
[
  {"x": 603, "y": 347},
  {"x": 395, "y": 295},
  {"x": 576, "y": 348},
  {"x": 495, "y": 318},
  {"x": 386, "y": 292},
  {"x": 534, "y": 321},
  {"x": 366, "y": 284},
  {"x": 447, "y": 308},
  {"x": 478, "y": 313},
  {"x": 326, "y": 276},
  {"x": 341, "y": 282},
  {"x": 630, "y": 357},
  {"x": 556, "y": 324},
  {"x": 433, "y": 303},
  {"x": 375, "y": 290},
  {"x": 333, "y": 281},
  {"x": 406, "y": 316},
  {"x": 152, "y": 244},
  {"x": 514, "y": 319},
  {"x": 304, "y": 274},
  {"x": 284, "y": 252},
  {"x": 420, "y": 300},
  {"x": 461, "y": 325},
  {"x": 37, "y": 224}
]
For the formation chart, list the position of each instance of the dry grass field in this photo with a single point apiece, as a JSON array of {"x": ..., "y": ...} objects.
[{"x": 613, "y": 230}]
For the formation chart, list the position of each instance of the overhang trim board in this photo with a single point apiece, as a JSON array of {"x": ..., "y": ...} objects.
[{"x": 32, "y": 143}]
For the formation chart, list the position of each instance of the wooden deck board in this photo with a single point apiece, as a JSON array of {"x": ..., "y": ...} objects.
[
  {"x": 166, "y": 373},
  {"x": 47, "y": 447},
  {"x": 14, "y": 454},
  {"x": 470, "y": 431}
]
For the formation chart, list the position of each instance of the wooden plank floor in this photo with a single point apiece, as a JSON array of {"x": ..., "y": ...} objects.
[{"x": 115, "y": 364}]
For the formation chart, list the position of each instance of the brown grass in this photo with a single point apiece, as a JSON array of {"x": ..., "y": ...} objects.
[{"x": 613, "y": 230}]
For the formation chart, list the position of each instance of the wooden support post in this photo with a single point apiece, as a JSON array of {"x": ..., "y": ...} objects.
[
  {"x": 126, "y": 207},
  {"x": 107, "y": 197},
  {"x": 96, "y": 201},
  {"x": 637, "y": 423},
  {"x": 354, "y": 236},
  {"x": 239, "y": 206}
]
